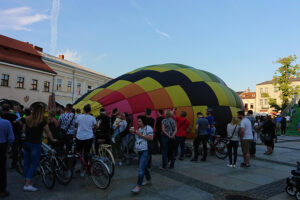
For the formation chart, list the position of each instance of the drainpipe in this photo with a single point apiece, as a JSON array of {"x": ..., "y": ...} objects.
[{"x": 73, "y": 85}]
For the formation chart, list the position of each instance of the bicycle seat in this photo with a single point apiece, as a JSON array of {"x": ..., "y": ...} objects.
[{"x": 107, "y": 146}]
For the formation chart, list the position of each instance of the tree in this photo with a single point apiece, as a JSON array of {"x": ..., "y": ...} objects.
[{"x": 282, "y": 78}]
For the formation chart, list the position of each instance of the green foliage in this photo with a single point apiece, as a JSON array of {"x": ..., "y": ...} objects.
[
  {"x": 282, "y": 78},
  {"x": 273, "y": 104},
  {"x": 265, "y": 95}
]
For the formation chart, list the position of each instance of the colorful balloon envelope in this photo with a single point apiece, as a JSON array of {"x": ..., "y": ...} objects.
[{"x": 166, "y": 86}]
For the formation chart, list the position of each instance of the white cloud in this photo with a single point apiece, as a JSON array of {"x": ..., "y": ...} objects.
[
  {"x": 54, "y": 20},
  {"x": 72, "y": 55},
  {"x": 163, "y": 34},
  {"x": 19, "y": 18}
]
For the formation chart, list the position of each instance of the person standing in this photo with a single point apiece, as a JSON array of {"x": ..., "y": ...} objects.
[
  {"x": 150, "y": 122},
  {"x": 158, "y": 133},
  {"x": 6, "y": 137},
  {"x": 34, "y": 127},
  {"x": 86, "y": 123},
  {"x": 67, "y": 124},
  {"x": 283, "y": 126},
  {"x": 268, "y": 130},
  {"x": 210, "y": 120},
  {"x": 202, "y": 125},
  {"x": 169, "y": 131},
  {"x": 252, "y": 148},
  {"x": 246, "y": 137},
  {"x": 142, "y": 136},
  {"x": 183, "y": 127},
  {"x": 233, "y": 134},
  {"x": 102, "y": 134}
]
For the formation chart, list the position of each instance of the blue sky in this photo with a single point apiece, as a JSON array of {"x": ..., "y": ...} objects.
[{"x": 237, "y": 40}]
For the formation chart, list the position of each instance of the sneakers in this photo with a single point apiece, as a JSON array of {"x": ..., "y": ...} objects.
[
  {"x": 147, "y": 183},
  {"x": 135, "y": 190},
  {"x": 82, "y": 173},
  {"x": 30, "y": 188},
  {"x": 233, "y": 166},
  {"x": 229, "y": 165}
]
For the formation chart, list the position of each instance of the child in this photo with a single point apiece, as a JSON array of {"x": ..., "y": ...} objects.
[{"x": 116, "y": 126}]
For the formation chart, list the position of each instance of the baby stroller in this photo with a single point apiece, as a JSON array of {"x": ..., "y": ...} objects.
[
  {"x": 128, "y": 148},
  {"x": 293, "y": 183}
]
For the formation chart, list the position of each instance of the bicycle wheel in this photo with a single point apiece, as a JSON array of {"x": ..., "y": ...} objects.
[
  {"x": 100, "y": 174},
  {"x": 108, "y": 159},
  {"x": 47, "y": 172},
  {"x": 221, "y": 149},
  {"x": 63, "y": 171}
]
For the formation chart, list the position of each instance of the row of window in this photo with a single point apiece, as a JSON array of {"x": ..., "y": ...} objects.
[
  {"x": 21, "y": 81},
  {"x": 267, "y": 90},
  {"x": 69, "y": 87},
  {"x": 263, "y": 102}
]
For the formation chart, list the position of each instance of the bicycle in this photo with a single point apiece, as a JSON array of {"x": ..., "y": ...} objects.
[
  {"x": 221, "y": 146},
  {"x": 105, "y": 154},
  {"x": 95, "y": 167}
]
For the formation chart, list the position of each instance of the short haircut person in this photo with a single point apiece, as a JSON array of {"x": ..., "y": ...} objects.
[
  {"x": 160, "y": 111},
  {"x": 168, "y": 113},
  {"x": 5, "y": 107},
  {"x": 69, "y": 107},
  {"x": 143, "y": 119},
  {"x": 199, "y": 113},
  {"x": 241, "y": 113},
  {"x": 250, "y": 112},
  {"x": 183, "y": 113},
  {"x": 87, "y": 108},
  {"x": 148, "y": 111}
]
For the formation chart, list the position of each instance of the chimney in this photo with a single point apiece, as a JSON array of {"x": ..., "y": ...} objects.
[
  {"x": 61, "y": 56},
  {"x": 38, "y": 48}
]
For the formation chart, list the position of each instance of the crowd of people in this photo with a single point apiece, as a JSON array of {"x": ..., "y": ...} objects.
[{"x": 25, "y": 129}]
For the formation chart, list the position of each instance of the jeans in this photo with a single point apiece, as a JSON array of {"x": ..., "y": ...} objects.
[
  {"x": 143, "y": 167},
  {"x": 3, "y": 175},
  {"x": 32, "y": 156},
  {"x": 167, "y": 147},
  {"x": 180, "y": 141},
  {"x": 200, "y": 139},
  {"x": 233, "y": 145}
]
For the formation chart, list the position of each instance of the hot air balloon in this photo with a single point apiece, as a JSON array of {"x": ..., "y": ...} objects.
[{"x": 166, "y": 86}]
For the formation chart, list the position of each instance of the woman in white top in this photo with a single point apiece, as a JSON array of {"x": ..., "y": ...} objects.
[
  {"x": 142, "y": 136},
  {"x": 233, "y": 134},
  {"x": 86, "y": 123}
]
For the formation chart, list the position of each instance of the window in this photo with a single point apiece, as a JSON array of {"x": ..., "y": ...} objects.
[
  {"x": 58, "y": 84},
  {"x": 20, "y": 82},
  {"x": 89, "y": 88},
  {"x": 4, "y": 80},
  {"x": 251, "y": 106},
  {"x": 261, "y": 102},
  {"x": 266, "y": 90},
  {"x": 261, "y": 90},
  {"x": 246, "y": 106},
  {"x": 46, "y": 86},
  {"x": 78, "y": 88},
  {"x": 69, "y": 87},
  {"x": 34, "y": 84},
  {"x": 266, "y": 102}
]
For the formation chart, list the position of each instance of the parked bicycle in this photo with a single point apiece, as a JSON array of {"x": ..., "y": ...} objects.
[{"x": 96, "y": 168}]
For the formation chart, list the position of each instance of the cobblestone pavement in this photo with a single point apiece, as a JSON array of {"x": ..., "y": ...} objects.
[{"x": 265, "y": 179}]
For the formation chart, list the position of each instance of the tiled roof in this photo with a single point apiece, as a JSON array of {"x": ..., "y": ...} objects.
[
  {"x": 270, "y": 82},
  {"x": 248, "y": 95},
  {"x": 63, "y": 61},
  {"x": 21, "y": 53}
]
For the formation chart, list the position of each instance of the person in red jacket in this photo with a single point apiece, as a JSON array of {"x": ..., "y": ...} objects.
[{"x": 183, "y": 127}]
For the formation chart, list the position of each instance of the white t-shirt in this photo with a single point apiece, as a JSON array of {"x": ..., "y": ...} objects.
[
  {"x": 140, "y": 143},
  {"x": 85, "y": 126},
  {"x": 246, "y": 124}
]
